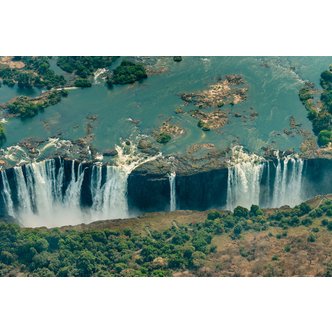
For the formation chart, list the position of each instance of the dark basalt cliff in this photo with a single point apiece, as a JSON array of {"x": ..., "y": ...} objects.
[
  {"x": 208, "y": 189},
  {"x": 199, "y": 191}
]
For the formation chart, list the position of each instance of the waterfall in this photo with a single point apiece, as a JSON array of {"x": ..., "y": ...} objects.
[
  {"x": 73, "y": 193},
  {"x": 243, "y": 185},
  {"x": 49, "y": 194},
  {"x": 7, "y": 195},
  {"x": 287, "y": 189},
  {"x": 172, "y": 204},
  {"x": 109, "y": 199},
  {"x": 243, "y": 182}
]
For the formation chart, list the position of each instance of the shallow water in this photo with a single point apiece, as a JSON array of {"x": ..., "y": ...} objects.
[{"x": 273, "y": 88}]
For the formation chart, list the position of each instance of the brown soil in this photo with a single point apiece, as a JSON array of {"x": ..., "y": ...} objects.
[{"x": 7, "y": 61}]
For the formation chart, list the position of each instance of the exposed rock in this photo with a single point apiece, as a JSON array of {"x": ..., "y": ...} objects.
[
  {"x": 110, "y": 153},
  {"x": 210, "y": 120},
  {"x": 167, "y": 131},
  {"x": 144, "y": 144},
  {"x": 232, "y": 90}
]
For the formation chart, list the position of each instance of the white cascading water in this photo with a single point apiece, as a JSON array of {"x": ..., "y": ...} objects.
[
  {"x": 287, "y": 189},
  {"x": 172, "y": 204},
  {"x": 244, "y": 181},
  {"x": 244, "y": 176},
  {"x": 6, "y": 194},
  {"x": 41, "y": 201}
]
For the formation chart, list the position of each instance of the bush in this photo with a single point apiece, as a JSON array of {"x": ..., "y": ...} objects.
[
  {"x": 324, "y": 137},
  {"x": 324, "y": 222},
  {"x": 241, "y": 211},
  {"x": 213, "y": 215},
  {"x": 329, "y": 226},
  {"x": 163, "y": 138},
  {"x": 304, "y": 208},
  {"x": 307, "y": 221},
  {"x": 177, "y": 58},
  {"x": 311, "y": 238},
  {"x": 287, "y": 248},
  {"x": 255, "y": 211}
]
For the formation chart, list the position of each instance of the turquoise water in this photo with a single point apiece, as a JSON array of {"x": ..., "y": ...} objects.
[{"x": 273, "y": 87}]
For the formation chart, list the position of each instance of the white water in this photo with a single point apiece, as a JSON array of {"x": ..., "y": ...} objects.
[
  {"x": 172, "y": 203},
  {"x": 244, "y": 181},
  {"x": 244, "y": 176},
  {"x": 287, "y": 189},
  {"x": 42, "y": 200},
  {"x": 6, "y": 193}
]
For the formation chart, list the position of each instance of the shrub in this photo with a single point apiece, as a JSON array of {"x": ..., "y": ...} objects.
[
  {"x": 324, "y": 222},
  {"x": 329, "y": 226},
  {"x": 307, "y": 221},
  {"x": 311, "y": 238},
  {"x": 177, "y": 58},
  {"x": 255, "y": 210},
  {"x": 324, "y": 137},
  {"x": 304, "y": 208},
  {"x": 241, "y": 211},
  {"x": 163, "y": 138},
  {"x": 213, "y": 215},
  {"x": 287, "y": 248}
]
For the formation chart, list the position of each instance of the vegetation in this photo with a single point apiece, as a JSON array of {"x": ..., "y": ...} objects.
[
  {"x": 177, "y": 58},
  {"x": 36, "y": 72},
  {"x": 82, "y": 83},
  {"x": 26, "y": 107},
  {"x": 320, "y": 113},
  {"x": 164, "y": 252},
  {"x": 84, "y": 66},
  {"x": 2, "y": 132},
  {"x": 128, "y": 72},
  {"x": 203, "y": 125},
  {"x": 163, "y": 138}
]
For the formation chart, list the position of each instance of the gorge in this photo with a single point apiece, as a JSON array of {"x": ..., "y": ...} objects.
[{"x": 57, "y": 192}]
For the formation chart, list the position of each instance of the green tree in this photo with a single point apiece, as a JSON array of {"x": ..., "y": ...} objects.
[
  {"x": 241, "y": 211},
  {"x": 86, "y": 263},
  {"x": 324, "y": 137}
]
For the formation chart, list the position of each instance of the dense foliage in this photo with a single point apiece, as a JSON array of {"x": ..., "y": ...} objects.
[
  {"x": 128, "y": 72},
  {"x": 82, "y": 83},
  {"x": 35, "y": 73},
  {"x": 84, "y": 66},
  {"x": 105, "y": 252},
  {"x": 320, "y": 115},
  {"x": 26, "y": 107}
]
